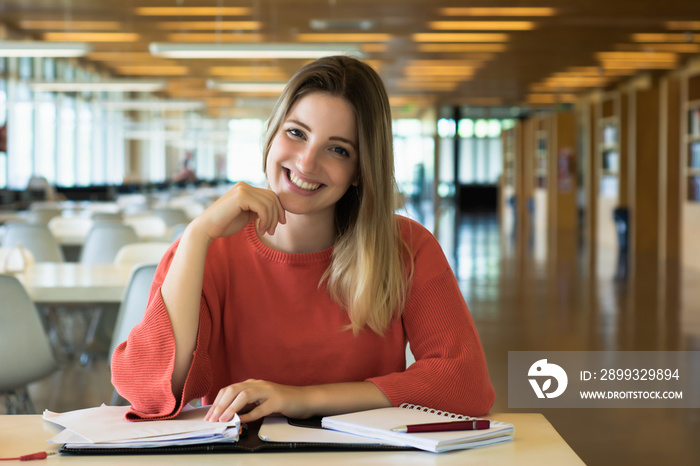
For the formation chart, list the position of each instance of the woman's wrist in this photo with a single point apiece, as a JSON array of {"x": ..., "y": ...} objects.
[{"x": 339, "y": 398}]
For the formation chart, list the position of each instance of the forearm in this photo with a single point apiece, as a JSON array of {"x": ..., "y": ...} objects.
[
  {"x": 339, "y": 398},
  {"x": 294, "y": 401},
  {"x": 181, "y": 292}
]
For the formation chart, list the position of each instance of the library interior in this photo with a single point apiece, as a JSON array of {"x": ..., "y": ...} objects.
[{"x": 552, "y": 148}]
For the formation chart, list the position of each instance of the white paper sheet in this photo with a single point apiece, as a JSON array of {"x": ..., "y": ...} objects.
[{"x": 108, "y": 424}]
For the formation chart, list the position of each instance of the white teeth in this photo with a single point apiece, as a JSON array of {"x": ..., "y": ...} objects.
[{"x": 303, "y": 184}]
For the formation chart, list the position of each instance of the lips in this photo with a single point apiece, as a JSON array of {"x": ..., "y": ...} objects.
[{"x": 301, "y": 184}]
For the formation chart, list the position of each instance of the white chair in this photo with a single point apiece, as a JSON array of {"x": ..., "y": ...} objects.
[
  {"x": 36, "y": 238},
  {"x": 171, "y": 215},
  {"x": 104, "y": 241},
  {"x": 42, "y": 216},
  {"x": 137, "y": 253},
  {"x": 132, "y": 308},
  {"x": 70, "y": 228},
  {"x": 107, "y": 217},
  {"x": 147, "y": 226},
  {"x": 25, "y": 351},
  {"x": 15, "y": 259}
]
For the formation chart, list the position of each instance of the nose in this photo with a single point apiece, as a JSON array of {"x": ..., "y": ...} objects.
[{"x": 307, "y": 159}]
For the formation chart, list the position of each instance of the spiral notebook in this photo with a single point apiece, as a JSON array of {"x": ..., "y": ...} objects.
[{"x": 377, "y": 424}]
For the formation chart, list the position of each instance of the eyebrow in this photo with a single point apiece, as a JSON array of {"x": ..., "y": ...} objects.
[{"x": 332, "y": 138}]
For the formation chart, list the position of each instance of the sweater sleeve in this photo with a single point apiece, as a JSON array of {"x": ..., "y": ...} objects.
[
  {"x": 142, "y": 366},
  {"x": 450, "y": 372}
]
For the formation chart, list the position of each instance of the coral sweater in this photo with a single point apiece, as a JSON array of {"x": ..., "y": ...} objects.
[{"x": 264, "y": 316}]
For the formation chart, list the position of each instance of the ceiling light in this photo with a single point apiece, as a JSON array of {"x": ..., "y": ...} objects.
[
  {"x": 99, "y": 86},
  {"x": 42, "y": 49},
  {"x": 344, "y": 37},
  {"x": 498, "y": 11},
  {"x": 92, "y": 36},
  {"x": 460, "y": 37},
  {"x": 215, "y": 37},
  {"x": 193, "y": 11},
  {"x": 461, "y": 48},
  {"x": 208, "y": 25},
  {"x": 59, "y": 25},
  {"x": 481, "y": 25},
  {"x": 253, "y": 51},
  {"x": 246, "y": 87}
]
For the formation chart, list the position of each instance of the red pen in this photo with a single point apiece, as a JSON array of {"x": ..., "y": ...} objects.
[{"x": 444, "y": 426}]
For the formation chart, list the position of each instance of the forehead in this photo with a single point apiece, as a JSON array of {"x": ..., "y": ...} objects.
[{"x": 320, "y": 111}]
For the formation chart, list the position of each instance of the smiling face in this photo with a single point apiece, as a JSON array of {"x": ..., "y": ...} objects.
[{"x": 314, "y": 156}]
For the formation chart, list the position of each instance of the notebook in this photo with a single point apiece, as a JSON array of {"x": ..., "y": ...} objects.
[{"x": 377, "y": 424}]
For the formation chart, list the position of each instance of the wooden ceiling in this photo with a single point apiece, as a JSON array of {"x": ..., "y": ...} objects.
[{"x": 488, "y": 53}]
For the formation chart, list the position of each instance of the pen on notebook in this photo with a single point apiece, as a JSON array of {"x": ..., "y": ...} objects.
[{"x": 444, "y": 426}]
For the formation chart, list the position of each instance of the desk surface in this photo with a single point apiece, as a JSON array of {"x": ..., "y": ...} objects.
[
  {"x": 69, "y": 282},
  {"x": 536, "y": 442}
]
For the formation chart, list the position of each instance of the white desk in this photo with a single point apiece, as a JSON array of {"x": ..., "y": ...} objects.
[
  {"x": 69, "y": 282},
  {"x": 536, "y": 443}
]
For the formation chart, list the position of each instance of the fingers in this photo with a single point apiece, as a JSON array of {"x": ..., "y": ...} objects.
[
  {"x": 265, "y": 205},
  {"x": 235, "y": 398},
  {"x": 263, "y": 397},
  {"x": 271, "y": 213},
  {"x": 238, "y": 207}
]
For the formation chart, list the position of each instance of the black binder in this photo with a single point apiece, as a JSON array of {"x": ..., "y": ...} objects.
[{"x": 248, "y": 442}]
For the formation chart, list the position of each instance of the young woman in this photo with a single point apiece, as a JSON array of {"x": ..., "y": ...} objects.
[{"x": 300, "y": 298}]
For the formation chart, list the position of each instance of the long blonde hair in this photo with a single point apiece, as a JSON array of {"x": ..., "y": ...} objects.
[{"x": 369, "y": 269}]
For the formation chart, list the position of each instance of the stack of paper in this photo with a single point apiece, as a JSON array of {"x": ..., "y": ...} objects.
[{"x": 106, "y": 427}]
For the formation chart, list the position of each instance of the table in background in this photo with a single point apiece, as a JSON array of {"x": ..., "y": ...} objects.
[
  {"x": 536, "y": 442},
  {"x": 55, "y": 283},
  {"x": 75, "y": 301}
]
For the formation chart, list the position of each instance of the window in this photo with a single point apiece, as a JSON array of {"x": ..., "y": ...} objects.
[
  {"x": 20, "y": 135},
  {"x": 45, "y": 137},
  {"x": 66, "y": 169},
  {"x": 84, "y": 155},
  {"x": 411, "y": 151},
  {"x": 245, "y": 151}
]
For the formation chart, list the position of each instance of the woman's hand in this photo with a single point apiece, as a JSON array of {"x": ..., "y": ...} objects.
[
  {"x": 239, "y": 206},
  {"x": 264, "y": 398},
  {"x": 258, "y": 398}
]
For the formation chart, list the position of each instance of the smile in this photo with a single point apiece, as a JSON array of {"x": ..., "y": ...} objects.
[{"x": 299, "y": 183}]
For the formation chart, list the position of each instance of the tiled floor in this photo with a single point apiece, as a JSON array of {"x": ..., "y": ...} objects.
[{"x": 542, "y": 296}]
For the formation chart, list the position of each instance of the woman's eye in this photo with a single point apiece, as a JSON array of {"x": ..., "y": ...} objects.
[
  {"x": 341, "y": 151},
  {"x": 295, "y": 132}
]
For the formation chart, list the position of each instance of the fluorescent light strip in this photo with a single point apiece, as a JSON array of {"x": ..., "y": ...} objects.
[
  {"x": 193, "y": 11},
  {"x": 254, "y": 51},
  {"x": 498, "y": 11},
  {"x": 460, "y": 37},
  {"x": 209, "y": 25},
  {"x": 99, "y": 86},
  {"x": 92, "y": 36},
  {"x": 481, "y": 25},
  {"x": 43, "y": 49}
]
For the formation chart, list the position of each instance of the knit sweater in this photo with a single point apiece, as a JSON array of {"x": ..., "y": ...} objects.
[{"x": 264, "y": 316}]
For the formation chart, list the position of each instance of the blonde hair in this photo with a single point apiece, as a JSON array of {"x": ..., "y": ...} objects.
[{"x": 368, "y": 273}]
